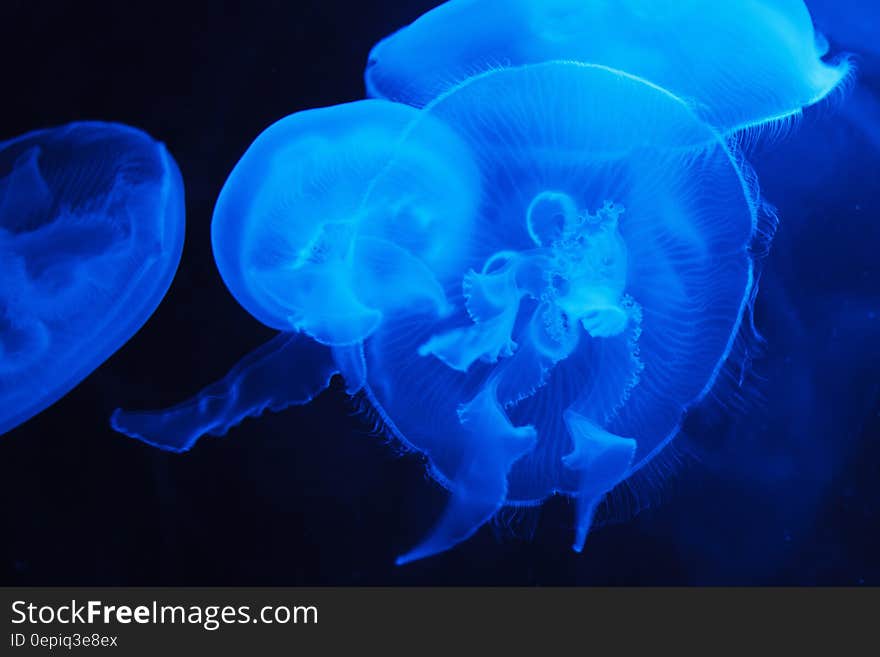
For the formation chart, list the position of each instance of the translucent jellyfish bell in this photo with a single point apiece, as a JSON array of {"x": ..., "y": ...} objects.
[
  {"x": 299, "y": 248},
  {"x": 91, "y": 231},
  {"x": 311, "y": 240},
  {"x": 744, "y": 63},
  {"x": 606, "y": 278}
]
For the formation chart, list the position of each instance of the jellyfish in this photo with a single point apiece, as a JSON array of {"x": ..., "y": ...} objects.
[
  {"x": 594, "y": 292},
  {"x": 742, "y": 64},
  {"x": 91, "y": 232},
  {"x": 313, "y": 244},
  {"x": 608, "y": 275}
]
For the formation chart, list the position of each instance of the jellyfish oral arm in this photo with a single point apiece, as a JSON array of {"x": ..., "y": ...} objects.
[
  {"x": 289, "y": 370},
  {"x": 479, "y": 489},
  {"x": 577, "y": 271},
  {"x": 577, "y": 274},
  {"x": 602, "y": 460}
]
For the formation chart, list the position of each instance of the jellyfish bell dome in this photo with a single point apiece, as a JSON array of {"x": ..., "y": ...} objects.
[
  {"x": 605, "y": 278},
  {"x": 91, "y": 232},
  {"x": 742, "y": 64},
  {"x": 307, "y": 242}
]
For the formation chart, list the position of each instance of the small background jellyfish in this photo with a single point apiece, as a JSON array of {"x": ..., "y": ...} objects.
[
  {"x": 91, "y": 231},
  {"x": 743, "y": 64}
]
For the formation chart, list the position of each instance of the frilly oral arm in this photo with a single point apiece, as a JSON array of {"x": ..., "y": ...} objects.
[{"x": 289, "y": 370}]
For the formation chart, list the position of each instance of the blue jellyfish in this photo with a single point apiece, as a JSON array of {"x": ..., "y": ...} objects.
[
  {"x": 91, "y": 232},
  {"x": 741, "y": 63},
  {"x": 312, "y": 241},
  {"x": 607, "y": 277},
  {"x": 299, "y": 248},
  {"x": 548, "y": 339}
]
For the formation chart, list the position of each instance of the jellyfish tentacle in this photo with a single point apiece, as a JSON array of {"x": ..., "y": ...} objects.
[
  {"x": 289, "y": 370},
  {"x": 479, "y": 489},
  {"x": 603, "y": 460}
]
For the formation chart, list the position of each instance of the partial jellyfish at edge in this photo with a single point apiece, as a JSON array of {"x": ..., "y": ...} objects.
[
  {"x": 91, "y": 233},
  {"x": 741, "y": 64},
  {"x": 593, "y": 295}
]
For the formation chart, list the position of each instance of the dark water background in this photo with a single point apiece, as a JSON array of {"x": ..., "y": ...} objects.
[{"x": 785, "y": 490}]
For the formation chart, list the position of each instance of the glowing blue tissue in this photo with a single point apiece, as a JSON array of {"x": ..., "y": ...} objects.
[
  {"x": 852, "y": 23},
  {"x": 743, "y": 63},
  {"x": 530, "y": 279},
  {"x": 313, "y": 243},
  {"x": 300, "y": 248},
  {"x": 855, "y": 25},
  {"x": 608, "y": 272},
  {"x": 91, "y": 231},
  {"x": 534, "y": 264}
]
